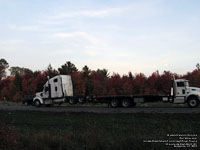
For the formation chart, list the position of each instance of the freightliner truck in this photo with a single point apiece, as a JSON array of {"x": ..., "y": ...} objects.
[{"x": 59, "y": 89}]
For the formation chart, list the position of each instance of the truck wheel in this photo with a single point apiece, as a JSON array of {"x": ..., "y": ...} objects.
[
  {"x": 72, "y": 101},
  {"x": 37, "y": 103},
  {"x": 114, "y": 103},
  {"x": 81, "y": 100},
  {"x": 193, "y": 102},
  {"x": 126, "y": 103}
]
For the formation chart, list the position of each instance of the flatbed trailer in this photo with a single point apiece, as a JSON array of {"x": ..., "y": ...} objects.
[
  {"x": 59, "y": 90},
  {"x": 119, "y": 101}
]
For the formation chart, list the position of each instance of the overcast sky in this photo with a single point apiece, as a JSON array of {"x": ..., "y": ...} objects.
[{"x": 119, "y": 35}]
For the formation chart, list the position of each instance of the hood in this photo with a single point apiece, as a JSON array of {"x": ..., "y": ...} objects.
[
  {"x": 193, "y": 89},
  {"x": 39, "y": 94}
]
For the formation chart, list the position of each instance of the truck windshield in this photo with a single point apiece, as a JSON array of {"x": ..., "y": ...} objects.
[{"x": 186, "y": 84}]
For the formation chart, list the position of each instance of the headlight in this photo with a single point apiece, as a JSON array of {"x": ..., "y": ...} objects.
[{"x": 199, "y": 95}]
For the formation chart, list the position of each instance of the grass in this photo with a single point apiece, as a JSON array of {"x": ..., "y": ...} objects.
[{"x": 87, "y": 131}]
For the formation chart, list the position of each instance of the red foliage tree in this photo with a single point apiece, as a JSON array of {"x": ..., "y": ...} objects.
[{"x": 139, "y": 84}]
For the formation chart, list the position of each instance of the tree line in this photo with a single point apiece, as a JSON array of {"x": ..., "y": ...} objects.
[{"x": 24, "y": 81}]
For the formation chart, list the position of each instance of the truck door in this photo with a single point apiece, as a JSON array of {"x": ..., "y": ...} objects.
[
  {"x": 180, "y": 92},
  {"x": 46, "y": 91}
]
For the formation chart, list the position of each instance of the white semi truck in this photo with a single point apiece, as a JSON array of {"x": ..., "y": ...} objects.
[{"x": 59, "y": 89}]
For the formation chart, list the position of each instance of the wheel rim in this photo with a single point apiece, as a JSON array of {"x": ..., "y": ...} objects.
[
  {"x": 193, "y": 103},
  {"x": 80, "y": 100},
  {"x": 37, "y": 103},
  {"x": 114, "y": 103},
  {"x": 72, "y": 101},
  {"x": 125, "y": 103}
]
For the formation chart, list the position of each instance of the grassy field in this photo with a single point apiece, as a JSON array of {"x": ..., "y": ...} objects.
[{"x": 88, "y": 131}]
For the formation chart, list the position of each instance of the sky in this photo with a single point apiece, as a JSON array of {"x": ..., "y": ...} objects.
[{"x": 119, "y": 35}]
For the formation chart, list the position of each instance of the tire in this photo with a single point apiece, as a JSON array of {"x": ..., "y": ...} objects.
[
  {"x": 81, "y": 100},
  {"x": 114, "y": 103},
  {"x": 72, "y": 101},
  {"x": 193, "y": 102},
  {"x": 126, "y": 103},
  {"x": 26, "y": 103},
  {"x": 37, "y": 103}
]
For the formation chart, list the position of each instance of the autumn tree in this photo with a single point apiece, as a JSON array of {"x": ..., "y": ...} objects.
[
  {"x": 152, "y": 83},
  {"x": 193, "y": 77},
  {"x": 164, "y": 82},
  {"x": 78, "y": 83},
  {"x": 99, "y": 79},
  {"x": 3, "y": 66},
  {"x": 4, "y": 87},
  {"x": 118, "y": 85},
  {"x": 139, "y": 84}
]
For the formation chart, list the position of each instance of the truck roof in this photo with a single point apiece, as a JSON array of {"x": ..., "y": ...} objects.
[{"x": 181, "y": 80}]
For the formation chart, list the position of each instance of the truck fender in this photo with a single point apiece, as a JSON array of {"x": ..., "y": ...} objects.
[
  {"x": 190, "y": 96},
  {"x": 38, "y": 98}
]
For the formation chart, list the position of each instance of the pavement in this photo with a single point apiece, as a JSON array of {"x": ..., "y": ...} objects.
[{"x": 101, "y": 109}]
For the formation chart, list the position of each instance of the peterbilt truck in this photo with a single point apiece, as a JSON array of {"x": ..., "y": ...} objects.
[{"x": 59, "y": 89}]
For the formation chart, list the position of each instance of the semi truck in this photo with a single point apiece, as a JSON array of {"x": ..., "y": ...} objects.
[{"x": 59, "y": 89}]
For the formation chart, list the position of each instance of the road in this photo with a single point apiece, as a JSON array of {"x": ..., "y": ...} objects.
[{"x": 102, "y": 109}]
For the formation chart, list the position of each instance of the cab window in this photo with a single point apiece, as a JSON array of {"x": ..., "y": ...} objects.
[
  {"x": 186, "y": 84},
  {"x": 180, "y": 84},
  {"x": 46, "y": 89}
]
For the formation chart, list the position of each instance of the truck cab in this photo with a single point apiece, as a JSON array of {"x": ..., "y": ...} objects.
[
  {"x": 183, "y": 93},
  {"x": 55, "y": 90}
]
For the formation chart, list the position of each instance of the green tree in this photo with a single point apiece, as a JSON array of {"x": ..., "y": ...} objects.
[
  {"x": 130, "y": 76},
  {"x": 3, "y": 66},
  {"x": 20, "y": 70},
  {"x": 198, "y": 66},
  {"x": 86, "y": 71},
  {"x": 103, "y": 72},
  {"x": 87, "y": 80},
  {"x": 18, "y": 82},
  {"x": 67, "y": 68},
  {"x": 51, "y": 72}
]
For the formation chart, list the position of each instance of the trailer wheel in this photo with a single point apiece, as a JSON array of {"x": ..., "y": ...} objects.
[
  {"x": 126, "y": 103},
  {"x": 37, "y": 103},
  {"x": 81, "y": 100},
  {"x": 72, "y": 101},
  {"x": 193, "y": 102},
  {"x": 114, "y": 103}
]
